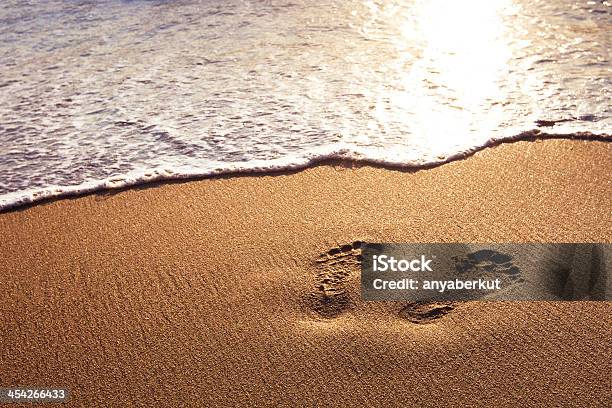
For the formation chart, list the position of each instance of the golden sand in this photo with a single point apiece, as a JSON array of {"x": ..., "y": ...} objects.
[{"x": 207, "y": 293}]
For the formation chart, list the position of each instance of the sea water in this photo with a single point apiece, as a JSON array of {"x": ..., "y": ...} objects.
[{"x": 103, "y": 94}]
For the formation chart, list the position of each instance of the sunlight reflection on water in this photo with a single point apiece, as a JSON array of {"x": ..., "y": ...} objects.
[
  {"x": 455, "y": 87},
  {"x": 115, "y": 89}
]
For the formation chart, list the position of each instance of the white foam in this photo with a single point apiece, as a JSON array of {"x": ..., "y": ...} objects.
[
  {"x": 157, "y": 91},
  {"x": 361, "y": 156}
]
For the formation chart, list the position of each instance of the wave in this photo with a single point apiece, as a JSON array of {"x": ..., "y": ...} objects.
[
  {"x": 312, "y": 157},
  {"x": 131, "y": 93}
]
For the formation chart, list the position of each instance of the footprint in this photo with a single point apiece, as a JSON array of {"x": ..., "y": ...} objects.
[
  {"x": 426, "y": 312},
  {"x": 336, "y": 288},
  {"x": 332, "y": 294},
  {"x": 487, "y": 262}
]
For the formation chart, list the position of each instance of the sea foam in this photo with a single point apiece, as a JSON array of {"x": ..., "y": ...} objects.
[{"x": 111, "y": 94}]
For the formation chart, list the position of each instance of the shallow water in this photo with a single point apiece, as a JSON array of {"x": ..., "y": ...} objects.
[{"x": 98, "y": 94}]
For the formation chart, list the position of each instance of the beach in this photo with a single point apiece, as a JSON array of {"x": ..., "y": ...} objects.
[{"x": 207, "y": 292}]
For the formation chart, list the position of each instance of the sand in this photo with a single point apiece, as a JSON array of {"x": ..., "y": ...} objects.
[{"x": 206, "y": 293}]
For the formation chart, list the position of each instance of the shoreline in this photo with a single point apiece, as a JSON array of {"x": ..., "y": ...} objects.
[
  {"x": 207, "y": 292},
  {"x": 117, "y": 184}
]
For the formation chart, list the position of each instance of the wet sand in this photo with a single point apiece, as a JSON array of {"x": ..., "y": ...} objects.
[{"x": 207, "y": 293}]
